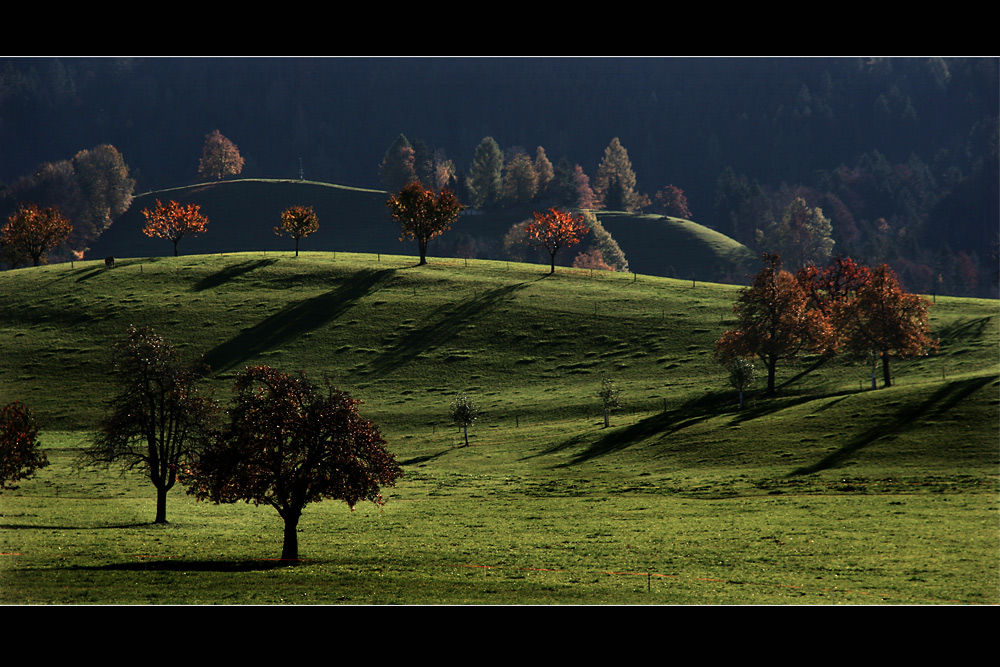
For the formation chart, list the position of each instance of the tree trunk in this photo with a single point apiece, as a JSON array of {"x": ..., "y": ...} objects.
[
  {"x": 553, "y": 269},
  {"x": 290, "y": 543},
  {"x": 741, "y": 399},
  {"x": 175, "y": 248},
  {"x": 466, "y": 435},
  {"x": 771, "y": 363},
  {"x": 296, "y": 247},
  {"x": 607, "y": 419},
  {"x": 422, "y": 245},
  {"x": 886, "y": 378},
  {"x": 161, "y": 504}
]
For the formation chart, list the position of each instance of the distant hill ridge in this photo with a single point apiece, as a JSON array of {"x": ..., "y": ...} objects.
[{"x": 243, "y": 213}]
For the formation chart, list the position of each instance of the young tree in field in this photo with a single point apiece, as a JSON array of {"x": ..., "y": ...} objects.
[
  {"x": 774, "y": 322},
  {"x": 157, "y": 421},
  {"x": 20, "y": 456},
  {"x": 884, "y": 319},
  {"x": 422, "y": 215},
  {"x": 219, "y": 157},
  {"x": 173, "y": 221},
  {"x": 485, "y": 180},
  {"x": 742, "y": 373},
  {"x": 464, "y": 412},
  {"x": 297, "y": 222},
  {"x": 610, "y": 397},
  {"x": 671, "y": 201},
  {"x": 287, "y": 444},
  {"x": 553, "y": 231},
  {"x": 32, "y": 231}
]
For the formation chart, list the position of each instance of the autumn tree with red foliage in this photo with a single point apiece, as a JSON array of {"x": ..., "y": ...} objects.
[
  {"x": 297, "y": 222},
  {"x": 20, "y": 456},
  {"x": 774, "y": 322},
  {"x": 423, "y": 215},
  {"x": 173, "y": 221},
  {"x": 289, "y": 443},
  {"x": 219, "y": 157},
  {"x": 881, "y": 318},
  {"x": 671, "y": 201},
  {"x": 31, "y": 232},
  {"x": 554, "y": 230}
]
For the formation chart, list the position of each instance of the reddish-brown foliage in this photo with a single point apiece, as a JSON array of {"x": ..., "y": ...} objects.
[
  {"x": 775, "y": 321},
  {"x": 174, "y": 221},
  {"x": 32, "y": 231},
  {"x": 554, "y": 230},
  {"x": 423, "y": 215},
  {"x": 297, "y": 222},
  {"x": 19, "y": 453},
  {"x": 671, "y": 201},
  {"x": 287, "y": 444},
  {"x": 884, "y": 319}
]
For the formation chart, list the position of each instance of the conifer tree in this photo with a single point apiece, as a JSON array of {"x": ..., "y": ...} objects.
[{"x": 485, "y": 182}]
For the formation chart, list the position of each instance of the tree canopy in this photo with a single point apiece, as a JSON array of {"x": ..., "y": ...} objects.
[
  {"x": 554, "y": 230},
  {"x": 289, "y": 443},
  {"x": 174, "y": 221},
  {"x": 31, "y": 232},
  {"x": 20, "y": 456},
  {"x": 219, "y": 157},
  {"x": 423, "y": 215},
  {"x": 297, "y": 222},
  {"x": 158, "y": 420}
]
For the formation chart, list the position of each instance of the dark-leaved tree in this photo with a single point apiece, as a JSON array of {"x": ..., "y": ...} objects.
[
  {"x": 157, "y": 421},
  {"x": 289, "y": 443}
]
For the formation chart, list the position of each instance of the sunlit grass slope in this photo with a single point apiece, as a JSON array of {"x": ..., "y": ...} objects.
[{"x": 828, "y": 493}]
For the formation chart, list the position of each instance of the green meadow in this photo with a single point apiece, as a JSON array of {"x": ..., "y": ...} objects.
[{"x": 830, "y": 493}]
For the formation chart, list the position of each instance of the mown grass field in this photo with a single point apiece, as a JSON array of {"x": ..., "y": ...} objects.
[{"x": 828, "y": 494}]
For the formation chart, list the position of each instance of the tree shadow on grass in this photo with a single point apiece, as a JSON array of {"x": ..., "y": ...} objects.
[
  {"x": 185, "y": 565},
  {"x": 670, "y": 421},
  {"x": 295, "y": 320},
  {"x": 441, "y": 327},
  {"x": 909, "y": 417},
  {"x": 230, "y": 272}
]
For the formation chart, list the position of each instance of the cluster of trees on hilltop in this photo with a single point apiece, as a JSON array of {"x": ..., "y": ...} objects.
[{"x": 899, "y": 153}]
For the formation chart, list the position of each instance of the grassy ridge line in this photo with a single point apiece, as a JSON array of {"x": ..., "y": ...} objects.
[{"x": 243, "y": 213}]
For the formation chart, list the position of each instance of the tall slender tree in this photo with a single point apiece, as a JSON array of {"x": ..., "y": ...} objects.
[
  {"x": 485, "y": 180},
  {"x": 615, "y": 182}
]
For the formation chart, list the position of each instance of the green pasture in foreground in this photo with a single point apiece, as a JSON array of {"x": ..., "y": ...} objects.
[{"x": 830, "y": 493}]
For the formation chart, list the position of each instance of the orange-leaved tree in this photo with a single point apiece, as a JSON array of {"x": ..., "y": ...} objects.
[
  {"x": 289, "y": 443},
  {"x": 174, "y": 221},
  {"x": 881, "y": 318},
  {"x": 422, "y": 214},
  {"x": 20, "y": 456},
  {"x": 554, "y": 230},
  {"x": 32, "y": 231},
  {"x": 297, "y": 222},
  {"x": 219, "y": 157},
  {"x": 774, "y": 322}
]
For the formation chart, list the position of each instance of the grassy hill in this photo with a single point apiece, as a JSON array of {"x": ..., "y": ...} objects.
[
  {"x": 243, "y": 213},
  {"x": 829, "y": 493}
]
